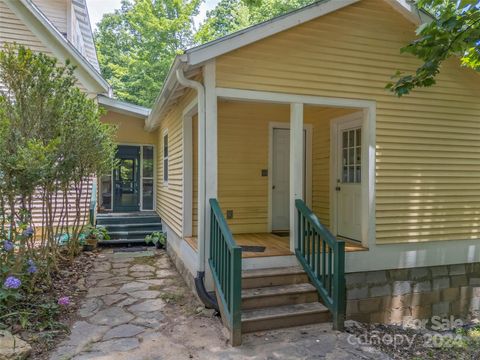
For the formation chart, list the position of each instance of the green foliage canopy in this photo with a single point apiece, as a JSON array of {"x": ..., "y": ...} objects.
[
  {"x": 453, "y": 32},
  {"x": 137, "y": 43},
  {"x": 233, "y": 15}
]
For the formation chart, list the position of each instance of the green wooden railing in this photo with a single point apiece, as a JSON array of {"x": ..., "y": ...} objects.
[
  {"x": 226, "y": 264},
  {"x": 93, "y": 204},
  {"x": 323, "y": 259}
]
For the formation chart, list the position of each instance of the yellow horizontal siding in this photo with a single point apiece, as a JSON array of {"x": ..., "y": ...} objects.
[
  {"x": 243, "y": 151},
  {"x": 427, "y": 143},
  {"x": 170, "y": 197},
  {"x": 129, "y": 129}
]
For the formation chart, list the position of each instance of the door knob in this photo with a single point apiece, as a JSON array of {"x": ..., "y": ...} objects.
[
  {"x": 337, "y": 188},
  {"x": 273, "y": 187}
]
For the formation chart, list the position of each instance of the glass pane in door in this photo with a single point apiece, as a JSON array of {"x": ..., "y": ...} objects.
[
  {"x": 147, "y": 194},
  {"x": 127, "y": 179},
  {"x": 106, "y": 192},
  {"x": 148, "y": 161},
  {"x": 351, "y": 156}
]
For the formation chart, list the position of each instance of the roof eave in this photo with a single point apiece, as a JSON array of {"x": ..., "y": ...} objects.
[
  {"x": 123, "y": 107},
  {"x": 162, "y": 98}
]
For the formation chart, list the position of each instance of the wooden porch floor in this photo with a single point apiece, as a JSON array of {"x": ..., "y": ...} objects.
[{"x": 275, "y": 245}]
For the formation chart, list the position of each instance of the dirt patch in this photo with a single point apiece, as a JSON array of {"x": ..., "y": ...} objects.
[
  {"x": 68, "y": 281},
  {"x": 454, "y": 342}
]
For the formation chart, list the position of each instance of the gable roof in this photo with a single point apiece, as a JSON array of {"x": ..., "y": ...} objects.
[
  {"x": 197, "y": 56},
  {"x": 41, "y": 26}
]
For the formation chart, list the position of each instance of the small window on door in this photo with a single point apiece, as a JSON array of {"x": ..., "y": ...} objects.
[
  {"x": 165, "y": 158},
  {"x": 352, "y": 156}
]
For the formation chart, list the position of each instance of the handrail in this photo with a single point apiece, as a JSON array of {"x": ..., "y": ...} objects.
[
  {"x": 93, "y": 203},
  {"x": 323, "y": 259},
  {"x": 226, "y": 265}
]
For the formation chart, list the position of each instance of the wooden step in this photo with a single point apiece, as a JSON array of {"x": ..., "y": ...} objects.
[
  {"x": 273, "y": 277},
  {"x": 278, "y": 317},
  {"x": 255, "y": 298}
]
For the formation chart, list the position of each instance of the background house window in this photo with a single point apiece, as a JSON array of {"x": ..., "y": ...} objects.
[{"x": 165, "y": 158}]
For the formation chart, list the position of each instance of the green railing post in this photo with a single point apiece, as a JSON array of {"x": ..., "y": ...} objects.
[
  {"x": 339, "y": 287},
  {"x": 226, "y": 265},
  {"x": 236, "y": 293}
]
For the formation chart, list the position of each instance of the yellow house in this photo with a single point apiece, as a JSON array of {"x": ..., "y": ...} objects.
[
  {"x": 281, "y": 139},
  {"x": 292, "y": 187}
]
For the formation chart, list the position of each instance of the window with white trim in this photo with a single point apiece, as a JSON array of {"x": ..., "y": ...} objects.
[{"x": 165, "y": 158}]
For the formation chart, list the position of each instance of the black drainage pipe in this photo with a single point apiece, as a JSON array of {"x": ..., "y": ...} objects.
[{"x": 208, "y": 299}]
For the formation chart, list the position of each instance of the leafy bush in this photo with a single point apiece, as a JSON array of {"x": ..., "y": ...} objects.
[
  {"x": 97, "y": 233},
  {"x": 157, "y": 238},
  {"x": 51, "y": 143}
]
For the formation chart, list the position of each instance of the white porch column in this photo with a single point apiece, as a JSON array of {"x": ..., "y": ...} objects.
[
  {"x": 211, "y": 154},
  {"x": 296, "y": 165}
]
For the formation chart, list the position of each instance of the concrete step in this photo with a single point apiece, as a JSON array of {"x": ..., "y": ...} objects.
[
  {"x": 126, "y": 218},
  {"x": 256, "y": 298},
  {"x": 151, "y": 227},
  {"x": 273, "y": 277},
  {"x": 139, "y": 241},
  {"x": 127, "y": 234},
  {"x": 278, "y": 317}
]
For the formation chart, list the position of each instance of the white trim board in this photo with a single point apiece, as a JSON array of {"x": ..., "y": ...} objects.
[
  {"x": 187, "y": 206},
  {"x": 409, "y": 255},
  {"x": 287, "y": 98}
]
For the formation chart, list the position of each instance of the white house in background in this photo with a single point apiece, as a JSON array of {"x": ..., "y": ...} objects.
[{"x": 61, "y": 28}]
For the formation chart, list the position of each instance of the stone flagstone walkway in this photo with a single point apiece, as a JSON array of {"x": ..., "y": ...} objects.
[{"x": 138, "y": 308}]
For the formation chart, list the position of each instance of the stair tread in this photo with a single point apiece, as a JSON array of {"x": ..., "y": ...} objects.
[
  {"x": 127, "y": 214},
  {"x": 134, "y": 224},
  {"x": 114, "y": 241},
  {"x": 127, "y": 232},
  {"x": 277, "y": 290},
  {"x": 272, "y": 272},
  {"x": 282, "y": 311}
]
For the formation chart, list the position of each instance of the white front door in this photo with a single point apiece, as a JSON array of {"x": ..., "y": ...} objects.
[
  {"x": 280, "y": 179},
  {"x": 349, "y": 178}
]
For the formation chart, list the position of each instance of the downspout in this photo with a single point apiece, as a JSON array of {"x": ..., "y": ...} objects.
[{"x": 208, "y": 299}]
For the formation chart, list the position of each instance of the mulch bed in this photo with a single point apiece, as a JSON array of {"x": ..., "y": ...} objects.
[
  {"x": 69, "y": 281},
  {"x": 414, "y": 344}
]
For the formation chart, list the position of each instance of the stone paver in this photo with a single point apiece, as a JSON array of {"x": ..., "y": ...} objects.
[{"x": 138, "y": 307}]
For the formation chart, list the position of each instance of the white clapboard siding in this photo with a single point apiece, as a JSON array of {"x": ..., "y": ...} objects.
[
  {"x": 67, "y": 209},
  {"x": 55, "y": 11}
]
